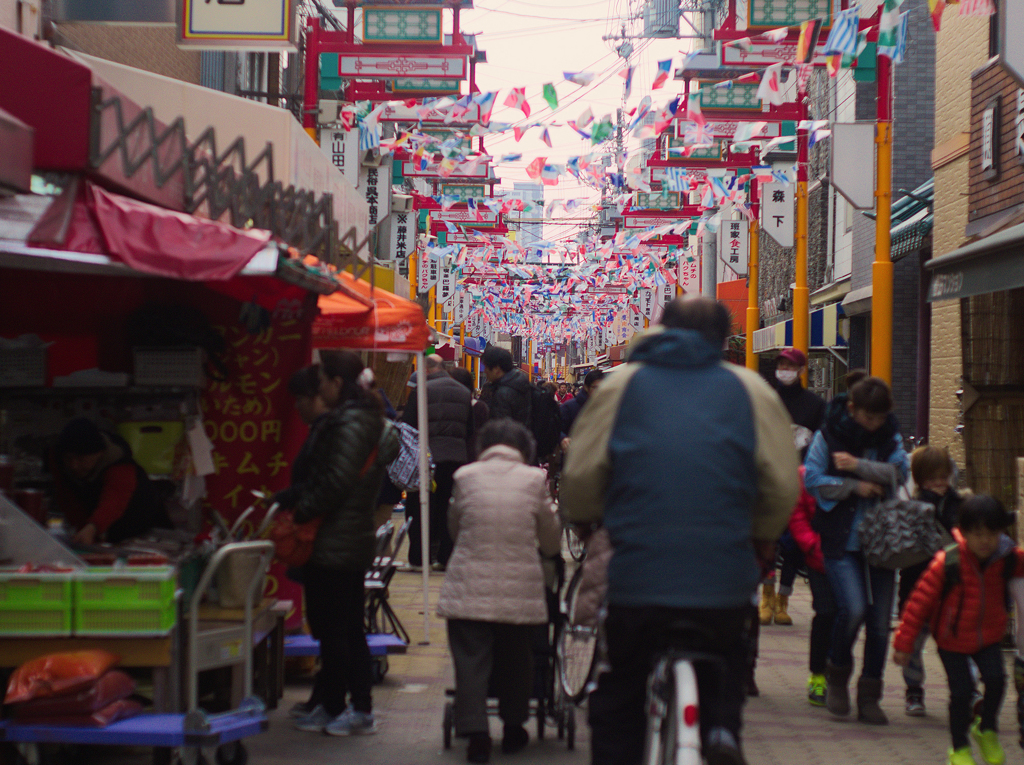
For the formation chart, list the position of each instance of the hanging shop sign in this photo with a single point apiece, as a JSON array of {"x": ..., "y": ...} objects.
[
  {"x": 689, "y": 268},
  {"x": 990, "y": 140},
  {"x": 1018, "y": 123},
  {"x": 369, "y": 66},
  {"x": 375, "y": 187},
  {"x": 486, "y": 218},
  {"x": 727, "y": 129},
  {"x": 446, "y": 284},
  {"x": 254, "y": 25},
  {"x": 342, "y": 148},
  {"x": 647, "y": 302},
  {"x": 734, "y": 246},
  {"x": 394, "y": 237},
  {"x": 401, "y": 25},
  {"x": 430, "y": 272},
  {"x": 777, "y": 212}
]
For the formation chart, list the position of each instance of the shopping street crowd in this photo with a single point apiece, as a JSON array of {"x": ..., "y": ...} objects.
[{"x": 689, "y": 468}]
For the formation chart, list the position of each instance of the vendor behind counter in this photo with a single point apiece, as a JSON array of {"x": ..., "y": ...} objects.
[{"x": 104, "y": 495}]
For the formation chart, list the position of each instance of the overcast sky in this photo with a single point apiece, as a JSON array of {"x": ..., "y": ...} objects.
[{"x": 532, "y": 43}]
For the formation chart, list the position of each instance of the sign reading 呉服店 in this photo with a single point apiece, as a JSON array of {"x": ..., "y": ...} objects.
[{"x": 247, "y": 24}]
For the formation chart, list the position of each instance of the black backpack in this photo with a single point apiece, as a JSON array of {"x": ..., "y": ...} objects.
[
  {"x": 951, "y": 578},
  {"x": 545, "y": 421}
]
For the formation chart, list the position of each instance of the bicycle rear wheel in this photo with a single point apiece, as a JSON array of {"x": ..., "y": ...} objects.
[{"x": 577, "y": 646}]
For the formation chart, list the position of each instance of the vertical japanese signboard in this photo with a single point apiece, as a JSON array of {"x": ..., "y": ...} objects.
[
  {"x": 647, "y": 302},
  {"x": 250, "y": 419},
  {"x": 429, "y": 271},
  {"x": 689, "y": 270},
  {"x": 777, "y": 212},
  {"x": 375, "y": 186},
  {"x": 395, "y": 238},
  {"x": 342, "y": 148},
  {"x": 446, "y": 284},
  {"x": 734, "y": 247}
]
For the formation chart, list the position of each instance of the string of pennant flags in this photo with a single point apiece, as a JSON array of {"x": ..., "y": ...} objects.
[{"x": 555, "y": 291}]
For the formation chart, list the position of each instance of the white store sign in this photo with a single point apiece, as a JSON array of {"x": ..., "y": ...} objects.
[
  {"x": 375, "y": 187},
  {"x": 734, "y": 246},
  {"x": 247, "y": 24},
  {"x": 777, "y": 212},
  {"x": 342, "y": 148}
]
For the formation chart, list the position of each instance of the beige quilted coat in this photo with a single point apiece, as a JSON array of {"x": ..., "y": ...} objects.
[{"x": 499, "y": 515}]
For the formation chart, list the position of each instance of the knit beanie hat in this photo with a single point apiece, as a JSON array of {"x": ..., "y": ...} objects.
[{"x": 81, "y": 437}]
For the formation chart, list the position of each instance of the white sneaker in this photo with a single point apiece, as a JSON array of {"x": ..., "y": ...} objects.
[
  {"x": 352, "y": 723},
  {"x": 315, "y": 721}
]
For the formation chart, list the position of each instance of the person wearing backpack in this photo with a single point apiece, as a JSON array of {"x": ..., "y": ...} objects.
[
  {"x": 571, "y": 408},
  {"x": 932, "y": 471},
  {"x": 963, "y": 598},
  {"x": 511, "y": 391}
]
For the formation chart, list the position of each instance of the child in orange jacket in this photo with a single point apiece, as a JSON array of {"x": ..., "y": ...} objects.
[{"x": 963, "y": 600}]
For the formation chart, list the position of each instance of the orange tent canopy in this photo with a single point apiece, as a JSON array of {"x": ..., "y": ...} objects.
[{"x": 361, "y": 318}]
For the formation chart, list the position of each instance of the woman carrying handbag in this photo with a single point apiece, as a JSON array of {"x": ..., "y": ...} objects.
[
  {"x": 853, "y": 460},
  {"x": 347, "y": 465}
]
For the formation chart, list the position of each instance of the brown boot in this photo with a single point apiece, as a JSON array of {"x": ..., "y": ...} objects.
[
  {"x": 781, "y": 617},
  {"x": 837, "y": 692},
  {"x": 869, "y": 693},
  {"x": 767, "y": 608}
]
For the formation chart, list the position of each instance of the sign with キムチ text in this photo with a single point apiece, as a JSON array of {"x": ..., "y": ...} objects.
[
  {"x": 246, "y": 24},
  {"x": 777, "y": 212}
]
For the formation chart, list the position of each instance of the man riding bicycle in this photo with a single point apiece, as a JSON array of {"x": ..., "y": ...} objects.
[{"x": 688, "y": 461}]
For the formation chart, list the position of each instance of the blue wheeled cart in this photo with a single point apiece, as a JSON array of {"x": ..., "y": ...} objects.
[
  {"x": 381, "y": 646},
  {"x": 178, "y": 739}
]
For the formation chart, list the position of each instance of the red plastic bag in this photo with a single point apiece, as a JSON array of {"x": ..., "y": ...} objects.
[
  {"x": 113, "y": 686},
  {"x": 58, "y": 674},
  {"x": 118, "y": 710}
]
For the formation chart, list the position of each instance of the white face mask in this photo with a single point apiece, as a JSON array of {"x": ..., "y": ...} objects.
[{"x": 786, "y": 376}]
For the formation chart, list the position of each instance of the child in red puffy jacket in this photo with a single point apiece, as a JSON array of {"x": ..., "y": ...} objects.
[
  {"x": 824, "y": 605},
  {"x": 962, "y": 597}
]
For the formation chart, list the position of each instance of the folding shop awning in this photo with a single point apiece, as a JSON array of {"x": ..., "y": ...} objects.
[{"x": 825, "y": 331}]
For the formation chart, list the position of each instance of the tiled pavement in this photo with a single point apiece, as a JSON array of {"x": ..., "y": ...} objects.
[{"x": 780, "y": 727}]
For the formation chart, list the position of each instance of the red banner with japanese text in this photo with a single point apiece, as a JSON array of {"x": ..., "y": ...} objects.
[{"x": 251, "y": 419}]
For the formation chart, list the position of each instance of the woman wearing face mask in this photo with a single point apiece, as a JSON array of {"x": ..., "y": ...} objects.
[
  {"x": 807, "y": 410},
  {"x": 853, "y": 462}
]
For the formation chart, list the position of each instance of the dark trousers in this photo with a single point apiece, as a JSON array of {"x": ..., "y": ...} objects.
[
  {"x": 441, "y": 544},
  {"x": 822, "y": 624},
  {"x": 636, "y": 637},
  {"x": 792, "y": 560},
  {"x": 490, "y": 656},
  {"x": 334, "y": 607},
  {"x": 989, "y": 661}
]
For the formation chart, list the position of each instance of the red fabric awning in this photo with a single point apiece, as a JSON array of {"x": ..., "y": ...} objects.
[
  {"x": 393, "y": 324},
  {"x": 147, "y": 238}
]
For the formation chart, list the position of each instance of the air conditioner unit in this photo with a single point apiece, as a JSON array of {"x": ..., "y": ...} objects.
[
  {"x": 373, "y": 158},
  {"x": 401, "y": 203}
]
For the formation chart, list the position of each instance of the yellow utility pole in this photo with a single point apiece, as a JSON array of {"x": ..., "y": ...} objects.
[
  {"x": 801, "y": 295},
  {"x": 882, "y": 268},
  {"x": 753, "y": 268}
]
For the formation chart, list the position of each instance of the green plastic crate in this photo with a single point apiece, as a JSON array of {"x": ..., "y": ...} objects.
[
  {"x": 35, "y": 604},
  {"x": 125, "y": 601}
]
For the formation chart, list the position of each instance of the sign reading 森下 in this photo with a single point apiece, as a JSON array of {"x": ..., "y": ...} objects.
[
  {"x": 248, "y": 24},
  {"x": 777, "y": 212},
  {"x": 734, "y": 246}
]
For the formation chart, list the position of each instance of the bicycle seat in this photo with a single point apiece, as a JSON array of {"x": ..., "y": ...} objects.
[{"x": 685, "y": 632}]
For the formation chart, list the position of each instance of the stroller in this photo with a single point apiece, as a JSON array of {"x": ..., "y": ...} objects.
[{"x": 549, "y": 704}]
